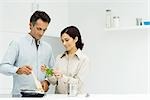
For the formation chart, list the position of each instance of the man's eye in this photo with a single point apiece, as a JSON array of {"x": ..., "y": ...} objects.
[
  {"x": 39, "y": 29},
  {"x": 44, "y": 30}
]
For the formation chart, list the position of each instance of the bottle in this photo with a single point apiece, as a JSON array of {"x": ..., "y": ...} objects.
[
  {"x": 116, "y": 21},
  {"x": 139, "y": 21},
  {"x": 72, "y": 87},
  {"x": 108, "y": 18}
]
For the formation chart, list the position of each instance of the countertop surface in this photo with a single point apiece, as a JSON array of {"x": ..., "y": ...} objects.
[
  {"x": 47, "y": 96},
  {"x": 82, "y": 97}
]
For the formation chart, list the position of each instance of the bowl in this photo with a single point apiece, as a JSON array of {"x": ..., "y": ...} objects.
[{"x": 32, "y": 93}]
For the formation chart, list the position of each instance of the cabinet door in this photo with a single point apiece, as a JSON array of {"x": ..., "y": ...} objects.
[
  {"x": 58, "y": 11},
  {"x": 14, "y": 16}
]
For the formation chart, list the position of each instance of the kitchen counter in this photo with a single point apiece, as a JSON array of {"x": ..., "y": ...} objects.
[
  {"x": 47, "y": 96},
  {"x": 83, "y": 97}
]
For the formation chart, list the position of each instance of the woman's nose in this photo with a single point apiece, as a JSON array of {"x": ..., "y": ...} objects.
[{"x": 64, "y": 43}]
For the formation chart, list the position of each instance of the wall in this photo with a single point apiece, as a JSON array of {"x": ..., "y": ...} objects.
[{"x": 119, "y": 59}]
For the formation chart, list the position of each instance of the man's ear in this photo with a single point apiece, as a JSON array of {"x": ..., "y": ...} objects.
[{"x": 76, "y": 39}]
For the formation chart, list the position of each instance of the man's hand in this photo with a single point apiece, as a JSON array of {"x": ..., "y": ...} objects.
[
  {"x": 45, "y": 85},
  {"x": 24, "y": 70}
]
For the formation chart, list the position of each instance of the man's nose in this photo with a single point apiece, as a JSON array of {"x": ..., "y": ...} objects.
[{"x": 41, "y": 32}]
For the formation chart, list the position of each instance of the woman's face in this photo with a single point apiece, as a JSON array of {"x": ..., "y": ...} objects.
[{"x": 68, "y": 42}]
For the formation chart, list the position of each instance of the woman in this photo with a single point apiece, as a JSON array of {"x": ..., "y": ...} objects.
[{"x": 72, "y": 64}]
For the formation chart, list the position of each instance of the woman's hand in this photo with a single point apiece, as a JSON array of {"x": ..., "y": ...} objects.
[
  {"x": 43, "y": 68},
  {"x": 57, "y": 73}
]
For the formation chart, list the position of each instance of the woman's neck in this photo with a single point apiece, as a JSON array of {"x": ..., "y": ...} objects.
[{"x": 72, "y": 52}]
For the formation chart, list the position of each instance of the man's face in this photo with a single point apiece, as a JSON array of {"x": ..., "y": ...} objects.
[{"x": 38, "y": 29}]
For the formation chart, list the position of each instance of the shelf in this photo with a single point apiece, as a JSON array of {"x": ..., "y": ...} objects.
[
  {"x": 128, "y": 28},
  {"x": 108, "y": 1}
]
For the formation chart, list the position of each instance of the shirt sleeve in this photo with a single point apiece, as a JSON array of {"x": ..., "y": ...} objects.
[
  {"x": 7, "y": 65},
  {"x": 51, "y": 79},
  {"x": 51, "y": 60}
]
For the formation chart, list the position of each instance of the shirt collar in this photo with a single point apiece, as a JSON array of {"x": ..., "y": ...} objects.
[
  {"x": 32, "y": 39},
  {"x": 78, "y": 53}
]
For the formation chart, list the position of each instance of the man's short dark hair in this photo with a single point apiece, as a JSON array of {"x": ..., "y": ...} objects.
[{"x": 40, "y": 15}]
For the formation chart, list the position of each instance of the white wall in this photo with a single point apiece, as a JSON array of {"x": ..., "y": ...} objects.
[{"x": 119, "y": 59}]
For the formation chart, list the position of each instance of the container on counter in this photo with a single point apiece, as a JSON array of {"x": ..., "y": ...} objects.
[
  {"x": 108, "y": 18},
  {"x": 116, "y": 21}
]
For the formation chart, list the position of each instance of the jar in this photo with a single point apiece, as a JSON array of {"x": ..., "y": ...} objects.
[
  {"x": 116, "y": 21},
  {"x": 139, "y": 21}
]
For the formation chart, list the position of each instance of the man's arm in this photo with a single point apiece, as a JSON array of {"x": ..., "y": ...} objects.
[{"x": 7, "y": 65}]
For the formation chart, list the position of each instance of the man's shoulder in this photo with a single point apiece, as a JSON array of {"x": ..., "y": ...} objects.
[
  {"x": 16, "y": 41},
  {"x": 46, "y": 45},
  {"x": 19, "y": 40}
]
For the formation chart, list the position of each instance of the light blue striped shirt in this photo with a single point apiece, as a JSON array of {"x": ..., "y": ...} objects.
[{"x": 23, "y": 51}]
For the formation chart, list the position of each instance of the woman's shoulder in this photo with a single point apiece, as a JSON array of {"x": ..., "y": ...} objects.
[
  {"x": 82, "y": 55},
  {"x": 85, "y": 57}
]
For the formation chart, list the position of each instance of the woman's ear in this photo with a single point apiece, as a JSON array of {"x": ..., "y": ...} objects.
[
  {"x": 30, "y": 25},
  {"x": 76, "y": 39}
]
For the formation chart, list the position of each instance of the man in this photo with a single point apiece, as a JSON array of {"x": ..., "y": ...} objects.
[{"x": 28, "y": 54}]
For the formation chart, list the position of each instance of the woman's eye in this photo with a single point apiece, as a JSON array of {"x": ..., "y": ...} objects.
[{"x": 67, "y": 40}]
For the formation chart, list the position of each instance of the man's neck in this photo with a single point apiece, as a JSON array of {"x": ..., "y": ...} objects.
[{"x": 33, "y": 37}]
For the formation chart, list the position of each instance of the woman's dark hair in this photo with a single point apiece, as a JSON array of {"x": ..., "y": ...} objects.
[
  {"x": 40, "y": 15},
  {"x": 73, "y": 32}
]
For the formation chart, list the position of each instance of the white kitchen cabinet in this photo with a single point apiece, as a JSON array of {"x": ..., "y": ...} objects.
[
  {"x": 59, "y": 17},
  {"x": 58, "y": 11},
  {"x": 14, "y": 16}
]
